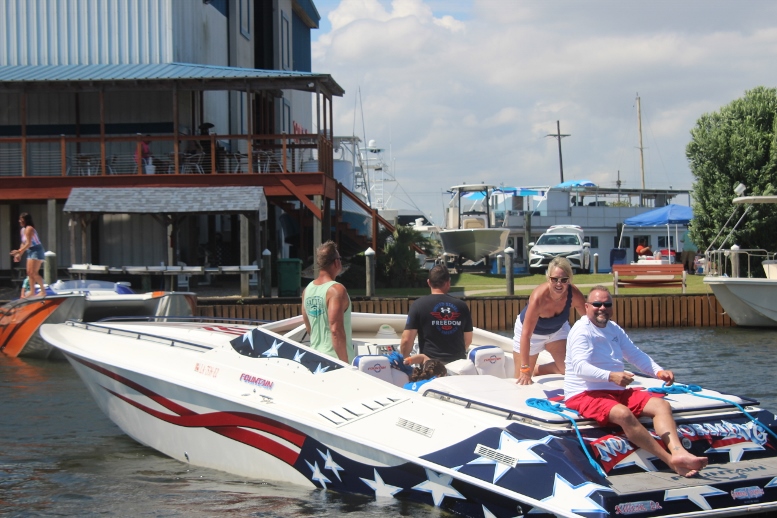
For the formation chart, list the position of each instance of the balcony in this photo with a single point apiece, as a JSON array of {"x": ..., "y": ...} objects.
[{"x": 68, "y": 156}]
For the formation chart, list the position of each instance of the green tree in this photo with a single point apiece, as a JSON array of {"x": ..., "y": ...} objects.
[
  {"x": 736, "y": 144},
  {"x": 398, "y": 266}
]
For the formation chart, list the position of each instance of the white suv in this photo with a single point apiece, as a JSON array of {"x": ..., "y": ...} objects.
[{"x": 560, "y": 240}]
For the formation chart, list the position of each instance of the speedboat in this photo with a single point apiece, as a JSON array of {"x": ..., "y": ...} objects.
[
  {"x": 469, "y": 232},
  {"x": 258, "y": 402},
  {"x": 748, "y": 301},
  {"x": 86, "y": 300}
]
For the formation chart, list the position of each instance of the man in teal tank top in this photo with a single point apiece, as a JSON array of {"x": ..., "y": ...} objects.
[{"x": 326, "y": 307}]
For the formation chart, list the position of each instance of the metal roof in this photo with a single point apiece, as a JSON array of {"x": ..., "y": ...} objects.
[
  {"x": 168, "y": 200},
  {"x": 185, "y": 76}
]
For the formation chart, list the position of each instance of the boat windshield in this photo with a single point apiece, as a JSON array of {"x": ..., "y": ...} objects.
[
  {"x": 558, "y": 239},
  {"x": 88, "y": 285}
]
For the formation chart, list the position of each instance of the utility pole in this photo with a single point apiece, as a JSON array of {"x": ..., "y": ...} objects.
[
  {"x": 558, "y": 136},
  {"x": 641, "y": 149}
]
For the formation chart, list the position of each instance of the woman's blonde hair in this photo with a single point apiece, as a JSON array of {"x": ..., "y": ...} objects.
[{"x": 559, "y": 262}]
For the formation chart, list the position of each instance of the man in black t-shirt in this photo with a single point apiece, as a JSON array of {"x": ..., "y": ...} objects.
[{"x": 443, "y": 323}]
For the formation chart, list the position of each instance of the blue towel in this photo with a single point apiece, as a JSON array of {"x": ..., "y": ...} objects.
[{"x": 398, "y": 362}]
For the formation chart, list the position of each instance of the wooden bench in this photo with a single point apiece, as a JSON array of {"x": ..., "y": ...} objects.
[{"x": 648, "y": 276}]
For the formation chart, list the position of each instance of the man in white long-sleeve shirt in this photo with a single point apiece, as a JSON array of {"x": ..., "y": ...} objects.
[{"x": 595, "y": 384}]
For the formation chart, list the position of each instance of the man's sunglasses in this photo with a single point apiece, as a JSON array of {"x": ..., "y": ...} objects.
[{"x": 600, "y": 304}]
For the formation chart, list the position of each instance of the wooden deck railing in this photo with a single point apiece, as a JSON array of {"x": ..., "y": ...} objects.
[{"x": 171, "y": 154}]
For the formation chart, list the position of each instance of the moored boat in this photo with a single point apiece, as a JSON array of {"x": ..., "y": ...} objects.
[
  {"x": 748, "y": 301},
  {"x": 469, "y": 233},
  {"x": 258, "y": 402},
  {"x": 20, "y": 319}
]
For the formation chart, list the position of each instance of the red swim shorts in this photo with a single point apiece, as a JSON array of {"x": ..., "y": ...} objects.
[{"x": 597, "y": 404}]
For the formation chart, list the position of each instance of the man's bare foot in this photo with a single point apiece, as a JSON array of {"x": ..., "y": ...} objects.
[{"x": 688, "y": 465}]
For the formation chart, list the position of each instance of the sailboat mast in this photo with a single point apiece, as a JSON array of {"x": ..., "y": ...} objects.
[{"x": 641, "y": 149}]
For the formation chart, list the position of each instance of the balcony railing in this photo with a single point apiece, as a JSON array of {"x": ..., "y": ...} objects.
[{"x": 169, "y": 154}]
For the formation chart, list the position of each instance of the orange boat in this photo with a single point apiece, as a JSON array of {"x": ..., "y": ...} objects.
[{"x": 87, "y": 301}]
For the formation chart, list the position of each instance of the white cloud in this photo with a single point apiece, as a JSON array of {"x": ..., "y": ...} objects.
[{"x": 468, "y": 90}]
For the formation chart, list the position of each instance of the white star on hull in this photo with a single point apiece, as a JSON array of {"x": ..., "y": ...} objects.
[
  {"x": 330, "y": 464},
  {"x": 273, "y": 350},
  {"x": 694, "y": 494},
  {"x": 575, "y": 499},
  {"x": 736, "y": 450},
  {"x": 382, "y": 490},
  {"x": 519, "y": 450},
  {"x": 439, "y": 486},
  {"x": 317, "y": 475},
  {"x": 639, "y": 458}
]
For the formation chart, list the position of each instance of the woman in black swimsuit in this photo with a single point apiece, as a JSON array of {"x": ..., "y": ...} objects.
[{"x": 544, "y": 323}]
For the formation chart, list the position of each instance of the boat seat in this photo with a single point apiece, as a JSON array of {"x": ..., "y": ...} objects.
[
  {"x": 473, "y": 223},
  {"x": 489, "y": 359},
  {"x": 462, "y": 367},
  {"x": 379, "y": 366}
]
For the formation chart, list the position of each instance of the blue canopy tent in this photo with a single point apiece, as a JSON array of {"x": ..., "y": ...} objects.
[{"x": 669, "y": 215}]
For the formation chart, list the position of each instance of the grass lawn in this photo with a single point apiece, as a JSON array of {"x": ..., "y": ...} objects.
[{"x": 490, "y": 285}]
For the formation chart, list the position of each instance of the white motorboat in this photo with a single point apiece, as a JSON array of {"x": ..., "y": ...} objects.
[
  {"x": 747, "y": 301},
  {"x": 469, "y": 232},
  {"x": 87, "y": 300},
  {"x": 258, "y": 402}
]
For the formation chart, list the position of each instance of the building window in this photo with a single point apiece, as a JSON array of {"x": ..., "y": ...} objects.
[
  {"x": 285, "y": 42},
  {"x": 662, "y": 242},
  {"x": 594, "y": 240},
  {"x": 286, "y": 117},
  {"x": 625, "y": 243},
  {"x": 245, "y": 18}
]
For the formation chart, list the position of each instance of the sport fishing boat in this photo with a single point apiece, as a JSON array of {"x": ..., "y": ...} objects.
[
  {"x": 469, "y": 233},
  {"x": 86, "y": 300},
  {"x": 748, "y": 301},
  {"x": 258, "y": 402}
]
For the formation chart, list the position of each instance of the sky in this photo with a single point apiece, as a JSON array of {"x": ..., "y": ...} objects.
[{"x": 466, "y": 91}]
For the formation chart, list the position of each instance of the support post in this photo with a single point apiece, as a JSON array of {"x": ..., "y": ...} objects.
[
  {"x": 243, "y": 254},
  {"x": 51, "y": 218},
  {"x": 500, "y": 263},
  {"x": 318, "y": 228},
  {"x": 735, "y": 261},
  {"x": 369, "y": 257},
  {"x": 266, "y": 274},
  {"x": 596, "y": 263},
  {"x": 50, "y": 268},
  {"x": 509, "y": 254}
]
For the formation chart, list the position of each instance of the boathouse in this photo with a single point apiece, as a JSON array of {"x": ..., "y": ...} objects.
[{"x": 134, "y": 94}]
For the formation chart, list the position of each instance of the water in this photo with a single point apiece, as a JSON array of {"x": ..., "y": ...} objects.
[{"x": 59, "y": 456}]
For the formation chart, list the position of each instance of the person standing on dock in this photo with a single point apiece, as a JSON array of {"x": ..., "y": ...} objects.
[
  {"x": 442, "y": 323},
  {"x": 30, "y": 243},
  {"x": 596, "y": 384},
  {"x": 544, "y": 322},
  {"x": 689, "y": 251},
  {"x": 326, "y": 307}
]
